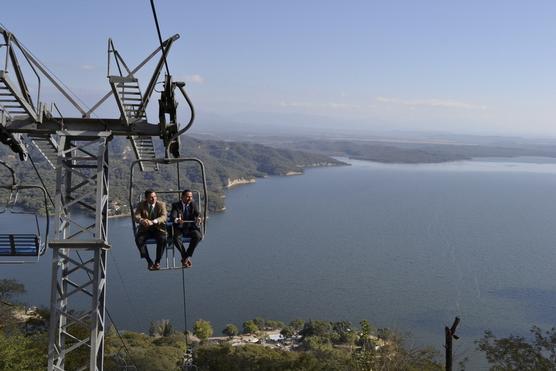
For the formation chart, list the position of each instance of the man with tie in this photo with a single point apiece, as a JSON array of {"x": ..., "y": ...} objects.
[
  {"x": 186, "y": 218},
  {"x": 151, "y": 216}
]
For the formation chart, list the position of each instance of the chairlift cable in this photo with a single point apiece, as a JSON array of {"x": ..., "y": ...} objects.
[
  {"x": 160, "y": 37},
  {"x": 126, "y": 293},
  {"x": 178, "y": 175},
  {"x": 42, "y": 181},
  {"x": 184, "y": 307},
  {"x": 183, "y": 275},
  {"x": 121, "y": 339}
]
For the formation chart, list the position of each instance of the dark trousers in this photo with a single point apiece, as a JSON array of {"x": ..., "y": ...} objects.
[
  {"x": 144, "y": 235},
  {"x": 195, "y": 236}
]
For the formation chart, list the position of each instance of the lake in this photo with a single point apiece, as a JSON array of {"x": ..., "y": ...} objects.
[{"x": 405, "y": 246}]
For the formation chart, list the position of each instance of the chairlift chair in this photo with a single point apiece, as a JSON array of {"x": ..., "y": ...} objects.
[
  {"x": 170, "y": 261},
  {"x": 19, "y": 248}
]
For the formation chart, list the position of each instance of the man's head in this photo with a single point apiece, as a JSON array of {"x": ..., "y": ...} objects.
[
  {"x": 187, "y": 196},
  {"x": 150, "y": 196}
]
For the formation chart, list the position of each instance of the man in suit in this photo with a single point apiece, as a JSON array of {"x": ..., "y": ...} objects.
[
  {"x": 186, "y": 218},
  {"x": 151, "y": 216}
]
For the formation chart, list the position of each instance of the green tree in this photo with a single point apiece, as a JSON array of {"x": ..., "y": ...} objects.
[
  {"x": 390, "y": 353},
  {"x": 518, "y": 353},
  {"x": 273, "y": 324},
  {"x": 255, "y": 357},
  {"x": 260, "y": 322},
  {"x": 202, "y": 329},
  {"x": 146, "y": 353},
  {"x": 249, "y": 327},
  {"x": 365, "y": 328},
  {"x": 297, "y": 324},
  {"x": 343, "y": 332},
  {"x": 365, "y": 339},
  {"x": 22, "y": 353},
  {"x": 317, "y": 328},
  {"x": 230, "y": 330},
  {"x": 317, "y": 344},
  {"x": 287, "y": 332},
  {"x": 161, "y": 328}
]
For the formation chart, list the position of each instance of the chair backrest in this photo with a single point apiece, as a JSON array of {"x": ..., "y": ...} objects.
[
  {"x": 20, "y": 248},
  {"x": 23, "y": 247}
]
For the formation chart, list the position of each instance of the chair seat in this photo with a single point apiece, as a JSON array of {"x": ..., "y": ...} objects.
[
  {"x": 19, "y": 244},
  {"x": 169, "y": 224},
  {"x": 152, "y": 241}
]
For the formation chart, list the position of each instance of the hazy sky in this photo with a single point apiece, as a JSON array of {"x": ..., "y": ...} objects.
[{"x": 484, "y": 66}]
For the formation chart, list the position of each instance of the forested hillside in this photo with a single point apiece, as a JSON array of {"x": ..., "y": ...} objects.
[
  {"x": 226, "y": 163},
  {"x": 415, "y": 152}
]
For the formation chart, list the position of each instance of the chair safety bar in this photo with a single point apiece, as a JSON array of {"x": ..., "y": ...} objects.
[{"x": 170, "y": 252}]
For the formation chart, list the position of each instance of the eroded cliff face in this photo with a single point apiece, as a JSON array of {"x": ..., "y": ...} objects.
[{"x": 238, "y": 181}]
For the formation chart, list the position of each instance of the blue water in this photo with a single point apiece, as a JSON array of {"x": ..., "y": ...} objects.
[{"x": 405, "y": 246}]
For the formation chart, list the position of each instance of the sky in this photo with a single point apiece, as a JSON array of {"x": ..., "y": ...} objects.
[{"x": 479, "y": 67}]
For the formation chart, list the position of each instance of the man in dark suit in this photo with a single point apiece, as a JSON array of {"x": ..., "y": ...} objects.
[
  {"x": 151, "y": 216},
  {"x": 186, "y": 218}
]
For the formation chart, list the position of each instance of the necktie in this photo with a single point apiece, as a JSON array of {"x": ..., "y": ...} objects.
[{"x": 151, "y": 211}]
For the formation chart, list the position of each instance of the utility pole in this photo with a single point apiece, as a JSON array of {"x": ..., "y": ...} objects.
[{"x": 450, "y": 332}]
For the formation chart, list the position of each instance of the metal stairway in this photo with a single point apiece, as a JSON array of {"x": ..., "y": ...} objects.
[
  {"x": 47, "y": 146},
  {"x": 10, "y": 102},
  {"x": 144, "y": 149},
  {"x": 129, "y": 99}
]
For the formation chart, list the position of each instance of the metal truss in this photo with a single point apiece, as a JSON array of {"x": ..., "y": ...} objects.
[
  {"x": 79, "y": 252},
  {"x": 77, "y": 148}
]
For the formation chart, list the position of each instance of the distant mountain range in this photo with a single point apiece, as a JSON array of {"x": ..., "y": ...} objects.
[{"x": 413, "y": 152}]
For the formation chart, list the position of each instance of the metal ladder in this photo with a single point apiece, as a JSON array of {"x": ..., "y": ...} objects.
[
  {"x": 144, "y": 149},
  {"x": 47, "y": 146},
  {"x": 129, "y": 99},
  {"x": 10, "y": 102}
]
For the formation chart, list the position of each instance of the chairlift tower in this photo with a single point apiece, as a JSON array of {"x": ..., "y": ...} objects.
[{"x": 77, "y": 148}]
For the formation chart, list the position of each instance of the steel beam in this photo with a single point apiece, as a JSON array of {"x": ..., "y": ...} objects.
[{"x": 78, "y": 287}]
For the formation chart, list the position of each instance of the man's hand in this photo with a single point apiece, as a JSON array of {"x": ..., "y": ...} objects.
[{"x": 146, "y": 222}]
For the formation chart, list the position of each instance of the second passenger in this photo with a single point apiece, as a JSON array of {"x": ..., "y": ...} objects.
[{"x": 186, "y": 218}]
